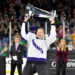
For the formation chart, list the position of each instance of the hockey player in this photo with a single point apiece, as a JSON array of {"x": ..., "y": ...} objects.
[{"x": 38, "y": 45}]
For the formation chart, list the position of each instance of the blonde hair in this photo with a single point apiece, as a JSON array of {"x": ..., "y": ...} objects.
[
  {"x": 17, "y": 36},
  {"x": 61, "y": 45}
]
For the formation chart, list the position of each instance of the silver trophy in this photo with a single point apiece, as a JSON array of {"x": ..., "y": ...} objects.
[{"x": 40, "y": 12}]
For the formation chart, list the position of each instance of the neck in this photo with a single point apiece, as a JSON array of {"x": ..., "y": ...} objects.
[
  {"x": 5, "y": 46},
  {"x": 17, "y": 43}
]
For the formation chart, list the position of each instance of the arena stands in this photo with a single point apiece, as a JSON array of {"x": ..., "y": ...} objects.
[{"x": 14, "y": 11}]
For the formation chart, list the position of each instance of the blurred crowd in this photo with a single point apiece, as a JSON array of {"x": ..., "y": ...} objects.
[{"x": 14, "y": 11}]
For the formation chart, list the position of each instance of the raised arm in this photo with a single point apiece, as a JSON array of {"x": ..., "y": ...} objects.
[
  {"x": 25, "y": 35},
  {"x": 23, "y": 31},
  {"x": 51, "y": 38}
]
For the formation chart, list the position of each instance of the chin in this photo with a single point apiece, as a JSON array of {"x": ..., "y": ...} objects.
[{"x": 39, "y": 37}]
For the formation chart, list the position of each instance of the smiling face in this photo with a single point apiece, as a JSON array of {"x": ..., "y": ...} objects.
[
  {"x": 17, "y": 40},
  {"x": 40, "y": 33},
  {"x": 62, "y": 42}
]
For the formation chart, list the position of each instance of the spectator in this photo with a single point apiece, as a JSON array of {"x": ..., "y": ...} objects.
[
  {"x": 5, "y": 15},
  {"x": 60, "y": 32},
  {"x": 58, "y": 23},
  {"x": 73, "y": 36},
  {"x": 17, "y": 51},
  {"x": 68, "y": 36},
  {"x": 62, "y": 17},
  {"x": 2, "y": 31},
  {"x": 74, "y": 46},
  {"x": 16, "y": 29},
  {"x": 61, "y": 57},
  {"x": 37, "y": 24},
  {"x": 70, "y": 45},
  {"x": 5, "y": 50}
]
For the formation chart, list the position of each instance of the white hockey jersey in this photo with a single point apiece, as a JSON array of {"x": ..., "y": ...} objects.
[{"x": 37, "y": 48}]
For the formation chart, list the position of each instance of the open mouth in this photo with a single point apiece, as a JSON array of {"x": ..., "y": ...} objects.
[{"x": 39, "y": 35}]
